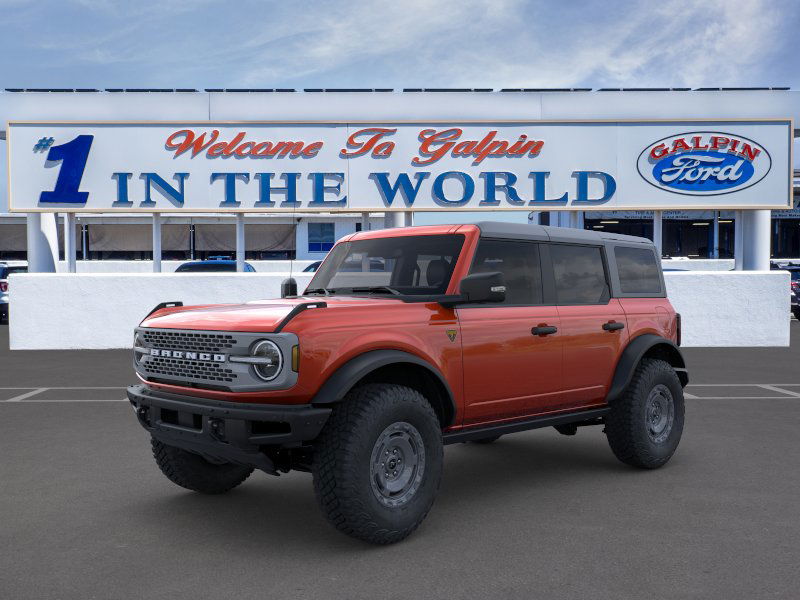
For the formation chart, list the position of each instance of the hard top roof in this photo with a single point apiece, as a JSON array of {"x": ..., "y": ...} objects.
[{"x": 554, "y": 234}]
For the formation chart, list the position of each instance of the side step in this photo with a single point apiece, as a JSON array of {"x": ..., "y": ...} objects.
[{"x": 476, "y": 433}]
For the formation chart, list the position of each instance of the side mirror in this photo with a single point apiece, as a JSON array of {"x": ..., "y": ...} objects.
[
  {"x": 479, "y": 287},
  {"x": 288, "y": 287}
]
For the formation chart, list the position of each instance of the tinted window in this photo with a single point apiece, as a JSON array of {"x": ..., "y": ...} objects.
[
  {"x": 519, "y": 264},
  {"x": 413, "y": 264},
  {"x": 579, "y": 273},
  {"x": 638, "y": 271},
  {"x": 321, "y": 237},
  {"x": 205, "y": 267}
]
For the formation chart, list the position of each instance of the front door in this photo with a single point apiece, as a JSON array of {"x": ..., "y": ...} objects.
[
  {"x": 512, "y": 350},
  {"x": 593, "y": 325}
]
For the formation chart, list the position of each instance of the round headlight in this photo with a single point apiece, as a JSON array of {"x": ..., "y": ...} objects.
[
  {"x": 138, "y": 342},
  {"x": 268, "y": 368}
]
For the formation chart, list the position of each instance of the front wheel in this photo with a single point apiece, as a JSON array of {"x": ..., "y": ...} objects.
[
  {"x": 378, "y": 463},
  {"x": 646, "y": 423}
]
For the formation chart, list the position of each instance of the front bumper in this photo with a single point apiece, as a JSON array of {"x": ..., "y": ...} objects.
[{"x": 225, "y": 431}]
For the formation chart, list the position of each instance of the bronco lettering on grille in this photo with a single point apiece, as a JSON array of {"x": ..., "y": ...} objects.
[{"x": 204, "y": 356}]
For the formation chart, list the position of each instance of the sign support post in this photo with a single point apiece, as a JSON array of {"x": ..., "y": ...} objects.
[
  {"x": 42, "y": 240},
  {"x": 240, "y": 247},
  {"x": 69, "y": 241},
  {"x": 738, "y": 239},
  {"x": 658, "y": 231},
  {"x": 156, "y": 242}
]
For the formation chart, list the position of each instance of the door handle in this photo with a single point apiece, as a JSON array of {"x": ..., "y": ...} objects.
[
  {"x": 544, "y": 330},
  {"x": 613, "y": 326}
]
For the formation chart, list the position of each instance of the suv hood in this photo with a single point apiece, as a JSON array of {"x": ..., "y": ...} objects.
[{"x": 257, "y": 316}]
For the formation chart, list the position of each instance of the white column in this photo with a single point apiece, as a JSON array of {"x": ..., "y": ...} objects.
[
  {"x": 365, "y": 221},
  {"x": 715, "y": 236},
  {"x": 42, "y": 240},
  {"x": 756, "y": 242},
  {"x": 738, "y": 240},
  {"x": 398, "y": 219},
  {"x": 85, "y": 242},
  {"x": 69, "y": 241},
  {"x": 156, "y": 243},
  {"x": 408, "y": 218},
  {"x": 240, "y": 242},
  {"x": 658, "y": 231}
]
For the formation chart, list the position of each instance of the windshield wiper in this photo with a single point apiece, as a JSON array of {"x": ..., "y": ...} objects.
[
  {"x": 376, "y": 289},
  {"x": 323, "y": 291}
]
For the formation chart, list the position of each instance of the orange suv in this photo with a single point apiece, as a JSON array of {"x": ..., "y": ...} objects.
[{"x": 407, "y": 340}]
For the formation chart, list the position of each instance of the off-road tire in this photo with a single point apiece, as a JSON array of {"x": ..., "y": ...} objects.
[
  {"x": 193, "y": 472},
  {"x": 344, "y": 481},
  {"x": 795, "y": 312},
  {"x": 627, "y": 426},
  {"x": 487, "y": 440}
]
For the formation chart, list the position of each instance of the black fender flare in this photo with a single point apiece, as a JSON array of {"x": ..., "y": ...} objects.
[
  {"x": 346, "y": 376},
  {"x": 633, "y": 354}
]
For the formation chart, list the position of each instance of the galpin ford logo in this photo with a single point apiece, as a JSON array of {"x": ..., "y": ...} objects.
[{"x": 704, "y": 163}]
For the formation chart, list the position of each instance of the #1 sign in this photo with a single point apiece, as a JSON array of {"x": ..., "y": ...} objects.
[{"x": 362, "y": 167}]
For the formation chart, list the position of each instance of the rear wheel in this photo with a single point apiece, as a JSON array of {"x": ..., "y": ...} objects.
[
  {"x": 378, "y": 463},
  {"x": 645, "y": 425},
  {"x": 193, "y": 472}
]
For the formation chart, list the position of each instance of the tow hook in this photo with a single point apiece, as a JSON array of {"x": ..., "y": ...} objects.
[
  {"x": 143, "y": 414},
  {"x": 217, "y": 429}
]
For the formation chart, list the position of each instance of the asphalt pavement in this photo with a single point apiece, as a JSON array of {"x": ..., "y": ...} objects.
[{"x": 85, "y": 513}]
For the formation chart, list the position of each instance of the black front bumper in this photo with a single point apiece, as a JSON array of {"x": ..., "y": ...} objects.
[{"x": 225, "y": 431}]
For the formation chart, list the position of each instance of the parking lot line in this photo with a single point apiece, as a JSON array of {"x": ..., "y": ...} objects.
[
  {"x": 776, "y": 388},
  {"x": 27, "y": 394}
]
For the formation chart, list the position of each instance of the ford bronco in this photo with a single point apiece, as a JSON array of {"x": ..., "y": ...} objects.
[{"x": 407, "y": 340}]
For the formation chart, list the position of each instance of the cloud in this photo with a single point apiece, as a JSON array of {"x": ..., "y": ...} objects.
[{"x": 403, "y": 43}]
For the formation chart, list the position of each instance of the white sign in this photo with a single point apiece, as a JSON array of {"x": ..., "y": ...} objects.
[{"x": 360, "y": 167}]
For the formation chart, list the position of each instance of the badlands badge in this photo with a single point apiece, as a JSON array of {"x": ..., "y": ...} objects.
[
  {"x": 704, "y": 163},
  {"x": 452, "y": 333}
]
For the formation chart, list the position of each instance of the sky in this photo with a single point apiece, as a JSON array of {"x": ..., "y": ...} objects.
[{"x": 403, "y": 43}]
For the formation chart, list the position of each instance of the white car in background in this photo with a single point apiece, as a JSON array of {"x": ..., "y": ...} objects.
[{"x": 6, "y": 269}]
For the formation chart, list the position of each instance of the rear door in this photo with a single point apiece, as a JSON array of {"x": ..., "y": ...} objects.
[
  {"x": 509, "y": 371},
  {"x": 593, "y": 325}
]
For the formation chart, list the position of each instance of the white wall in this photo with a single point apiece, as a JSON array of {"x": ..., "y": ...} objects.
[
  {"x": 169, "y": 266},
  {"x": 731, "y": 308},
  {"x": 79, "y": 311},
  {"x": 54, "y": 311}
]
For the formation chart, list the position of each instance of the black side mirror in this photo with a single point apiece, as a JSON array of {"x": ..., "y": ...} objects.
[
  {"x": 288, "y": 287},
  {"x": 479, "y": 287}
]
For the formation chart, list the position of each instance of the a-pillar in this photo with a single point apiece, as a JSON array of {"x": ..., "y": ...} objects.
[
  {"x": 756, "y": 239},
  {"x": 42, "y": 234}
]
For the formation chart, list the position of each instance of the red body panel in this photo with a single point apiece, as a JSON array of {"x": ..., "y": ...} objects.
[{"x": 495, "y": 367}]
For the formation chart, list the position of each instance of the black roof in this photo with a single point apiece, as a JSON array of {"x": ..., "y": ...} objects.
[{"x": 554, "y": 234}]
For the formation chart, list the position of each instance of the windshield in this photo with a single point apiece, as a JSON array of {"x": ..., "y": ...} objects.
[{"x": 407, "y": 265}]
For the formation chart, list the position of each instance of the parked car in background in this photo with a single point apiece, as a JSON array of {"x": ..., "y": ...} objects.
[
  {"x": 6, "y": 269},
  {"x": 312, "y": 268},
  {"x": 212, "y": 265},
  {"x": 795, "y": 286}
]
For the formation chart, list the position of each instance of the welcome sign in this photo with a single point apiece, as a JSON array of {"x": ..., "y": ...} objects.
[{"x": 361, "y": 167}]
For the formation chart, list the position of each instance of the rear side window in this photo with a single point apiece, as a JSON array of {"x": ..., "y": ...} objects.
[
  {"x": 638, "y": 270},
  {"x": 579, "y": 274},
  {"x": 519, "y": 264}
]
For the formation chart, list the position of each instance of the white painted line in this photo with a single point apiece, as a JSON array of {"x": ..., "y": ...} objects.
[
  {"x": 27, "y": 395},
  {"x": 745, "y": 398},
  {"x": 775, "y": 388},
  {"x": 690, "y": 396},
  {"x": 119, "y": 387},
  {"x": 739, "y": 384},
  {"x": 40, "y": 401}
]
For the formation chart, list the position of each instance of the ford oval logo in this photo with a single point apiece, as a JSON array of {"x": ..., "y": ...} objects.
[{"x": 704, "y": 163}]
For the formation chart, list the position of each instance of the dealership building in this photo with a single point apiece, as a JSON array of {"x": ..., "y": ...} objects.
[
  {"x": 108, "y": 191},
  {"x": 120, "y": 237}
]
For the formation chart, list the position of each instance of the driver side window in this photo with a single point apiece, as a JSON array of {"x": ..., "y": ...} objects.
[{"x": 520, "y": 266}]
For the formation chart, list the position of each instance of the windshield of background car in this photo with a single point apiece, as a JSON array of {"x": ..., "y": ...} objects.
[
  {"x": 206, "y": 267},
  {"x": 408, "y": 265}
]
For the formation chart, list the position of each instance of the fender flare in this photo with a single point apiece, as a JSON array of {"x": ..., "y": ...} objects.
[
  {"x": 634, "y": 353},
  {"x": 346, "y": 376}
]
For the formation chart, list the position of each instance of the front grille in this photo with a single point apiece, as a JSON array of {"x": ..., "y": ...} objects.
[
  {"x": 193, "y": 369},
  {"x": 182, "y": 340}
]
